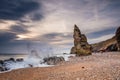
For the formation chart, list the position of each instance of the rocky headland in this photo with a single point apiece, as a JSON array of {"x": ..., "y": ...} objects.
[{"x": 112, "y": 44}]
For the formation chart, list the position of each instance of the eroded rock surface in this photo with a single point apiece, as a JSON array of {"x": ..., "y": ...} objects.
[
  {"x": 53, "y": 60},
  {"x": 81, "y": 46}
]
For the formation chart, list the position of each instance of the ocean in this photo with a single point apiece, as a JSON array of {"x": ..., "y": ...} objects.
[{"x": 15, "y": 56}]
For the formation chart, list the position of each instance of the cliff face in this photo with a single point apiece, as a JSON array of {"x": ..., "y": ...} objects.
[
  {"x": 81, "y": 46},
  {"x": 118, "y": 37},
  {"x": 103, "y": 46},
  {"x": 112, "y": 44}
]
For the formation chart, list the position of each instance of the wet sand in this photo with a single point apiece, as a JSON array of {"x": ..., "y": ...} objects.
[{"x": 102, "y": 66}]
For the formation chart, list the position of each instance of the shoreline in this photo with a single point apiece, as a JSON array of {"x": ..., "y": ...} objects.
[{"x": 95, "y": 67}]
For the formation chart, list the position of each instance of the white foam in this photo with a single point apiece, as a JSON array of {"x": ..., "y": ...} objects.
[
  {"x": 32, "y": 61},
  {"x": 35, "y": 62}
]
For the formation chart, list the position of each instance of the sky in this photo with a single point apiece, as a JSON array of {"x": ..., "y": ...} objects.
[{"x": 47, "y": 25}]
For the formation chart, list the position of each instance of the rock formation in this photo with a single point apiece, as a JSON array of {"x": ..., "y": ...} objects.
[
  {"x": 112, "y": 44},
  {"x": 53, "y": 60},
  {"x": 81, "y": 46},
  {"x": 118, "y": 38}
]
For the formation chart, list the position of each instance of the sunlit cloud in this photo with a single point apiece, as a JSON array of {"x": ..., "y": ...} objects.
[{"x": 6, "y": 24}]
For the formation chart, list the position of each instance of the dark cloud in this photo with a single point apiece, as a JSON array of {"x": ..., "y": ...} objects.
[
  {"x": 20, "y": 29},
  {"x": 15, "y": 9},
  {"x": 7, "y": 36},
  {"x": 56, "y": 38},
  {"x": 36, "y": 17}
]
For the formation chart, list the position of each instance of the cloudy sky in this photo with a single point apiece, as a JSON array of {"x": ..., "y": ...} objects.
[{"x": 49, "y": 23}]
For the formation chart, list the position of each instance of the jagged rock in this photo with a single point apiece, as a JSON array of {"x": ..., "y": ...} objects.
[
  {"x": 81, "y": 46},
  {"x": 118, "y": 37},
  {"x": 53, "y": 60}
]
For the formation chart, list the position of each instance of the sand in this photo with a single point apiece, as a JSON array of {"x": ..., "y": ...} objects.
[{"x": 102, "y": 66}]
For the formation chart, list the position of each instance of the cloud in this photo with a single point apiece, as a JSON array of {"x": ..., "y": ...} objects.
[
  {"x": 19, "y": 29},
  {"x": 15, "y": 9},
  {"x": 60, "y": 42},
  {"x": 7, "y": 36},
  {"x": 52, "y": 21},
  {"x": 55, "y": 38},
  {"x": 90, "y": 15}
]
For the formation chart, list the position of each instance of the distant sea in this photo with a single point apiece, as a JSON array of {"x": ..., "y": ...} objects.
[{"x": 15, "y": 56}]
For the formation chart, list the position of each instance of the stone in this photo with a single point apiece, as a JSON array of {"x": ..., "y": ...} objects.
[
  {"x": 10, "y": 60},
  {"x": 118, "y": 37},
  {"x": 19, "y": 60},
  {"x": 1, "y": 62},
  {"x": 53, "y": 60},
  {"x": 81, "y": 46}
]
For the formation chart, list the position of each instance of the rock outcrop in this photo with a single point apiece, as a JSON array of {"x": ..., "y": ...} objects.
[
  {"x": 53, "y": 60},
  {"x": 81, "y": 46},
  {"x": 104, "y": 46},
  {"x": 112, "y": 44},
  {"x": 118, "y": 37}
]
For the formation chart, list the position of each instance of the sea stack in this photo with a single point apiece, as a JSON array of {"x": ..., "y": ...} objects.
[
  {"x": 81, "y": 46},
  {"x": 118, "y": 37}
]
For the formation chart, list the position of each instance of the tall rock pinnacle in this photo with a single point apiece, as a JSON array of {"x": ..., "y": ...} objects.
[{"x": 81, "y": 46}]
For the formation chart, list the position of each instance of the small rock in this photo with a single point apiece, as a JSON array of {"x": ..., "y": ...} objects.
[
  {"x": 83, "y": 67},
  {"x": 19, "y": 59}
]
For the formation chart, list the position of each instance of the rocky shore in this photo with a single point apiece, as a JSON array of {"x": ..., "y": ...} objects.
[{"x": 98, "y": 66}]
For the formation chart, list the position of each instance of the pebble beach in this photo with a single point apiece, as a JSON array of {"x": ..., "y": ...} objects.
[{"x": 98, "y": 66}]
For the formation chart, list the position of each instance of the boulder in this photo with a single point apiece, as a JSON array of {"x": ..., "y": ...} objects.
[
  {"x": 81, "y": 46},
  {"x": 10, "y": 60},
  {"x": 53, "y": 60},
  {"x": 1, "y": 62},
  {"x": 19, "y": 60},
  {"x": 118, "y": 37}
]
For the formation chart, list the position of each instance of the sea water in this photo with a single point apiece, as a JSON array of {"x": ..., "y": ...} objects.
[
  {"x": 15, "y": 56},
  {"x": 32, "y": 59}
]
